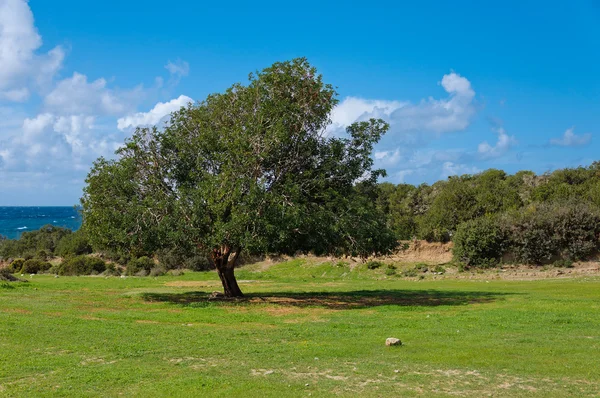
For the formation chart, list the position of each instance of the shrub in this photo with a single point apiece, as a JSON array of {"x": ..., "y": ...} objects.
[
  {"x": 197, "y": 263},
  {"x": 35, "y": 266},
  {"x": 157, "y": 271},
  {"x": 439, "y": 269},
  {"x": 479, "y": 242},
  {"x": 390, "y": 270},
  {"x": 567, "y": 230},
  {"x": 176, "y": 272},
  {"x": 374, "y": 264},
  {"x": 43, "y": 255},
  {"x": 140, "y": 265},
  {"x": 16, "y": 265},
  {"x": 74, "y": 244},
  {"x": 112, "y": 270},
  {"x": 82, "y": 265}
]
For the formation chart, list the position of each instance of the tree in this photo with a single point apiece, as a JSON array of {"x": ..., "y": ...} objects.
[{"x": 249, "y": 169}]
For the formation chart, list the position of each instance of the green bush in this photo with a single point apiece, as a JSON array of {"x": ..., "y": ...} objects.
[
  {"x": 82, "y": 265},
  {"x": 157, "y": 271},
  {"x": 390, "y": 270},
  {"x": 32, "y": 242},
  {"x": 419, "y": 268},
  {"x": 16, "y": 265},
  {"x": 548, "y": 231},
  {"x": 35, "y": 266},
  {"x": 197, "y": 263},
  {"x": 374, "y": 264},
  {"x": 74, "y": 244},
  {"x": 479, "y": 243},
  {"x": 112, "y": 270},
  {"x": 140, "y": 266},
  {"x": 439, "y": 269}
]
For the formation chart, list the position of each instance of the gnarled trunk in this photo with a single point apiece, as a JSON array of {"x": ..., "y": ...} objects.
[
  {"x": 225, "y": 268},
  {"x": 230, "y": 285}
]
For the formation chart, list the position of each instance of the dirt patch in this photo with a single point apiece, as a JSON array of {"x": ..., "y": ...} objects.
[
  {"x": 91, "y": 318},
  {"x": 17, "y": 311},
  {"x": 528, "y": 272},
  {"x": 148, "y": 322},
  {"x": 96, "y": 361},
  {"x": 420, "y": 251}
]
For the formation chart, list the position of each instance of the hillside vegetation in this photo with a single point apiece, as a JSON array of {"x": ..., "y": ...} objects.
[{"x": 493, "y": 216}]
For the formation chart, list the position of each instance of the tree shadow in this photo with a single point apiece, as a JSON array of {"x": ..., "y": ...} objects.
[{"x": 335, "y": 300}]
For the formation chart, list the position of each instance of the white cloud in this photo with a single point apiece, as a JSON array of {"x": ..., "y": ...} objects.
[
  {"x": 76, "y": 116},
  {"x": 155, "y": 115},
  {"x": 431, "y": 115},
  {"x": 388, "y": 158},
  {"x": 75, "y": 95},
  {"x": 178, "y": 67},
  {"x": 20, "y": 65},
  {"x": 400, "y": 175},
  {"x": 453, "y": 169},
  {"x": 569, "y": 138},
  {"x": 15, "y": 95},
  {"x": 504, "y": 143}
]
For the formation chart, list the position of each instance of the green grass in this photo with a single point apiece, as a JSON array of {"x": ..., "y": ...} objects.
[{"x": 303, "y": 329}]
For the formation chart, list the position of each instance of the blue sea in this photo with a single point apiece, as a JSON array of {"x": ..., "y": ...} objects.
[{"x": 16, "y": 220}]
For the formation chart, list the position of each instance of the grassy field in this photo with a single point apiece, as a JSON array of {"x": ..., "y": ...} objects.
[{"x": 303, "y": 330}]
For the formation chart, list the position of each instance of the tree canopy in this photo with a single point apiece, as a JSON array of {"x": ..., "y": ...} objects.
[{"x": 249, "y": 169}]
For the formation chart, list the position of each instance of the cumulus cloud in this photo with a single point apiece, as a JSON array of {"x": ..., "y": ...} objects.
[
  {"x": 504, "y": 143},
  {"x": 75, "y": 95},
  {"x": 450, "y": 114},
  {"x": 76, "y": 116},
  {"x": 155, "y": 115},
  {"x": 453, "y": 169},
  {"x": 20, "y": 64},
  {"x": 569, "y": 138},
  {"x": 388, "y": 158}
]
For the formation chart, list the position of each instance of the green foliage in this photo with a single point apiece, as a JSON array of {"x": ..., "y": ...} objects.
[
  {"x": 176, "y": 258},
  {"x": 568, "y": 230},
  {"x": 390, "y": 270},
  {"x": 480, "y": 242},
  {"x": 35, "y": 266},
  {"x": 245, "y": 170},
  {"x": 74, "y": 244},
  {"x": 439, "y": 269},
  {"x": 373, "y": 264},
  {"x": 417, "y": 270},
  {"x": 112, "y": 270},
  {"x": 16, "y": 265},
  {"x": 82, "y": 265},
  {"x": 157, "y": 271},
  {"x": 33, "y": 242},
  {"x": 140, "y": 265}
]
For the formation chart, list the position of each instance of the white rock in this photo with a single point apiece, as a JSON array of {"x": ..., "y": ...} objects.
[{"x": 390, "y": 341}]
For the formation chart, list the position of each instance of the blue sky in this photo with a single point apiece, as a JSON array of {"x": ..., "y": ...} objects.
[{"x": 465, "y": 85}]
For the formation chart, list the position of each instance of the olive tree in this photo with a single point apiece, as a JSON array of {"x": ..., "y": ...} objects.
[{"x": 250, "y": 169}]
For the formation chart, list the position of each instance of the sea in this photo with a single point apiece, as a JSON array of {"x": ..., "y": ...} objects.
[{"x": 16, "y": 220}]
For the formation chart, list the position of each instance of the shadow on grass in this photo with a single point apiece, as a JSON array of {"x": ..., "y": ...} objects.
[{"x": 335, "y": 300}]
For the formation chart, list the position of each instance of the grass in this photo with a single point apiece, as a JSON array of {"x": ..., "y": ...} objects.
[{"x": 302, "y": 330}]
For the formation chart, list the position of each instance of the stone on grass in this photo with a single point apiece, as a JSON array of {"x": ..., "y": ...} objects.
[{"x": 390, "y": 341}]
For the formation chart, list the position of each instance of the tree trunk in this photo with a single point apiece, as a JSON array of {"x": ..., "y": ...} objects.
[
  {"x": 225, "y": 268},
  {"x": 230, "y": 285}
]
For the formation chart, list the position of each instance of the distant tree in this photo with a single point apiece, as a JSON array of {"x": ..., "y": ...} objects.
[{"x": 250, "y": 169}]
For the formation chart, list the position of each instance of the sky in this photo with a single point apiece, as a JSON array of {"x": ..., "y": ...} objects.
[{"x": 465, "y": 85}]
